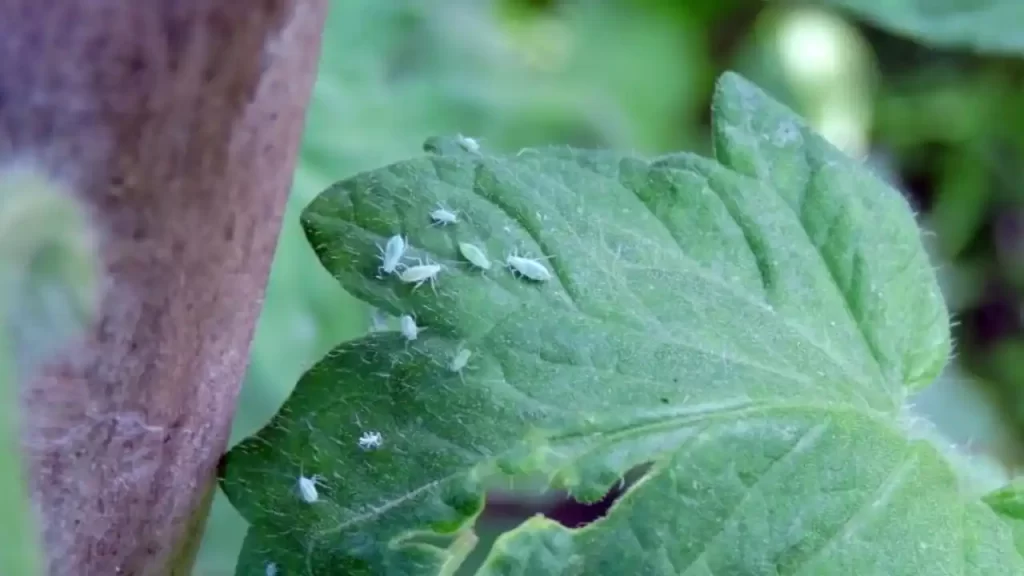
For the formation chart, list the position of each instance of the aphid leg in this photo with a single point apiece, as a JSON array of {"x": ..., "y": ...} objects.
[{"x": 429, "y": 280}]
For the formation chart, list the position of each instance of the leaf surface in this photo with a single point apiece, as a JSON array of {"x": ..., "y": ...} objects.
[
  {"x": 1008, "y": 502},
  {"x": 749, "y": 325}
]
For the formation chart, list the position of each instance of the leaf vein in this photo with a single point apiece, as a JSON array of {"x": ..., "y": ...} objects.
[
  {"x": 806, "y": 441},
  {"x": 879, "y": 496}
]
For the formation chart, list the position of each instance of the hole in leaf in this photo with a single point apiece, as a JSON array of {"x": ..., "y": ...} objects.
[
  {"x": 560, "y": 507},
  {"x": 506, "y": 511},
  {"x": 572, "y": 513}
]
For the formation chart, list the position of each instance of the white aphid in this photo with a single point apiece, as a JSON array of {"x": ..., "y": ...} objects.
[
  {"x": 271, "y": 569},
  {"x": 391, "y": 254},
  {"x": 422, "y": 272},
  {"x": 460, "y": 360},
  {"x": 407, "y": 324},
  {"x": 469, "y": 144},
  {"x": 378, "y": 320},
  {"x": 530, "y": 268},
  {"x": 476, "y": 256},
  {"x": 371, "y": 440},
  {"x": 443, "y": 216},
  {"x": 307, "y": 489}
]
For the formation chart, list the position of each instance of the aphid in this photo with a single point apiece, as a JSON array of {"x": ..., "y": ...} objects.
[
  {"x": 422, "y": 272},
  {"x": 371, "y": 440},
  {"x": 460, "y": 360},
  {"x": 469, "y": 144},
  {"x": 529, "y": 268},
  {"x": 391, "y": 254},
  {"x": 378, "y": 320},
  {"x": 271, "y": 569},
  {"x": 407, "y": 324},
  {"x": 307, "y": 489},
  {"x": 476, "y": 256},
  {"x": 443, "y": 216}
]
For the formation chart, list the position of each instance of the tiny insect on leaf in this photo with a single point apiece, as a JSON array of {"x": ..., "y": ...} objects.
[
  {"x": 391, "y": 254},
  {"x": 371, "y": 440},
  {"x": 443, "y": 216},
  {"x": 529, "y": 268},
  {"x": 408, "y": 327},
  {"x": 460, "y": 360},
  {"x": 307, "y": 489},
  {"x": 417, "y": 275},
  {"x": 469, "y": 144},
  {"x": 378, "y": 320},
  {"x": 475, "y": 255}
]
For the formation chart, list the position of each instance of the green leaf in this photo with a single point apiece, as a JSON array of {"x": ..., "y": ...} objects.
[
  {"x": 750, "y": 326},
  {"x": 395, "y": 72},
  {"x": 962, "y": 199},
  {"x": 48, "y": 284},
  {"x": 1008, "y": 502},
  {"x": 987, "y": 26},
  {"x": 48, "y": 294}
]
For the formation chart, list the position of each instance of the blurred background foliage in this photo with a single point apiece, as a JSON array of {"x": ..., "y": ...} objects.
[
  {"x": 48, "y": 296},
  {"x": 944, "y": 124}
]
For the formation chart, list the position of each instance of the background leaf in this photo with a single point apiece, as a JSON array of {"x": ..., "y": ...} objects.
[
  {"x": 991, "y": 26},
  {"x": 731, "y": 322},
  {"x": 48, "y": 294},
  {"x": 1008, "y": 502}
]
